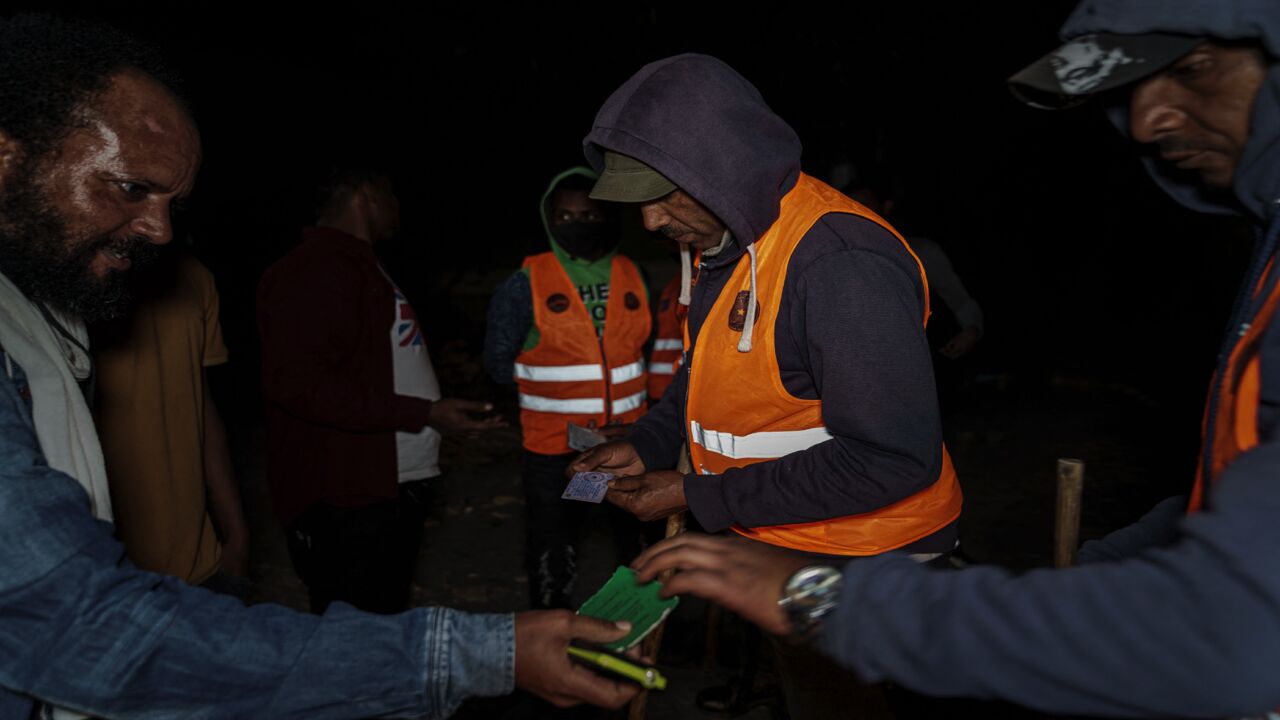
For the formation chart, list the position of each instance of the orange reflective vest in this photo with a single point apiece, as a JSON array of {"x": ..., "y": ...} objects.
[
  {"x": 739, "y": 413},
  {"x": 668, "y": 346},
  {"x": 573, "y": 374},
  {"x": 1239, "y": 394}
]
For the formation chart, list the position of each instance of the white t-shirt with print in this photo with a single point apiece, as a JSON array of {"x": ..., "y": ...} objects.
[{"x": 417, "y": 454}]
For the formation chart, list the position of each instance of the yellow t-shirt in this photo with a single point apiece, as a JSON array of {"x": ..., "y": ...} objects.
[{"x": 150, "y": 417}]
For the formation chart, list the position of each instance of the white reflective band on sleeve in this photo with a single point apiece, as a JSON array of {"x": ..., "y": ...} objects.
[
  {"x": 577, "y": 406},
  {"x": 668, "y": 344},
  {"x": 662, "y": 368},
  {"x": 628, "y": 403},
  {"x": 756, "y": 445},
  {"x": 558, "y": 373},
  {"x": 630, "y": 371}
]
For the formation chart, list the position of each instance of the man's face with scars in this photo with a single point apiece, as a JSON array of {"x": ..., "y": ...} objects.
[{"x": 74, "y": 222}]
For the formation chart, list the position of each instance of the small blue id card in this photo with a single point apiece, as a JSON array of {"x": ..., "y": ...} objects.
[{"x": 588, "y": 487}]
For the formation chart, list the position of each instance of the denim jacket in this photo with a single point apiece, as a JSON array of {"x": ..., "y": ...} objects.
[{"x": 82, "y": 628}]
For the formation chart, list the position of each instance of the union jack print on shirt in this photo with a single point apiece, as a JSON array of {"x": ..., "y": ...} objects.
[{"x": 407, "y": 329}]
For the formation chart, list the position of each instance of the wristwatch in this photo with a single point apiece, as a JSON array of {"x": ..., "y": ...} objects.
[{"x": 807, "y": 597}]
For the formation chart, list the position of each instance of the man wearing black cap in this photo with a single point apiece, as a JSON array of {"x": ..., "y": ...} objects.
[
  {"x": 1178, "y": 615},
  {"x": 807, "y": 398}
]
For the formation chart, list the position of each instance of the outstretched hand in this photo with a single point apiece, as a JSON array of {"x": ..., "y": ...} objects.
[
  {"x": 543, "y": 666},
  {"x": 618, "y": 457},
  {"x": 743, "y": 576},
  {"x": 650, "y": 496},
  {"x": 961, "y": 344},
  {"x": 454, "y": 416}
]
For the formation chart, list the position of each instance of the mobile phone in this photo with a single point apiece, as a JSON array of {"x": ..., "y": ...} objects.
[{"x": 630, "y": 669}]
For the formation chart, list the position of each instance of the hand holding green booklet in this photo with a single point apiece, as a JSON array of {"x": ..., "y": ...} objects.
[{"x": 622, "y": 598}]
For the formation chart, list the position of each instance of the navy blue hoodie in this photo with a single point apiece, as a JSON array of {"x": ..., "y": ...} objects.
[
  {"x": 1178, "y": 616},
  {"x": 849, "y": 324}
]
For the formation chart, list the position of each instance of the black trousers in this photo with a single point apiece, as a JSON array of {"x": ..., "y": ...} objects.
[
  {"x": 553, "y": 526},
  {"x": 365, "y": 556}
]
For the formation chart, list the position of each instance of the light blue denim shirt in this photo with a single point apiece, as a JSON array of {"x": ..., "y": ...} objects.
[{"x": 82, "y": 628}]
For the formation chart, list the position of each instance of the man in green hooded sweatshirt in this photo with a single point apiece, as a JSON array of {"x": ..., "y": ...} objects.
[{"x": 569, "y": 329}]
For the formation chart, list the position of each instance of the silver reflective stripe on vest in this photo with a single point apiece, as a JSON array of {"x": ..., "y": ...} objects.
[
  {"x": 577, "y": 406},
  {"x": 662, "y": 368},
  {"x": 628, "y": 403},
  {"x": 756, "y": 445},
  {"x": 558, "y": 373},
  {"x": 623, "y": 373},
  {"x": 668, "y": 344}
]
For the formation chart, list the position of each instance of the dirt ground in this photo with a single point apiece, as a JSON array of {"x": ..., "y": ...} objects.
[{"x": 1004, "y": 441}]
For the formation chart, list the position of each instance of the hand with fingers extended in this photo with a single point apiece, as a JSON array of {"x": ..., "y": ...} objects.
[
  {"x": 617, "y": 457},
  {"x": 650, "y": 496},
  {"x": 543, "y": 666},
  {"x": 744, "y": 576},
  {"x": 961, "y": 344},
  {"x": 454, "y": 416}
]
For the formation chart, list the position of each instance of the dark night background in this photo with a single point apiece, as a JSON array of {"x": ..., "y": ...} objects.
[
  {"x": 1082, "y": 266},
  {"x": 1103, "y": 298}
]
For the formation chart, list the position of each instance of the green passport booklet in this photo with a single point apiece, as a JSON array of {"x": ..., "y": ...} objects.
[{"x": 622, "y": 598}]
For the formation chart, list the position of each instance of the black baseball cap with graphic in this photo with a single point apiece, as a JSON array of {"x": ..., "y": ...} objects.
[{"x": 1094, "y": 63}]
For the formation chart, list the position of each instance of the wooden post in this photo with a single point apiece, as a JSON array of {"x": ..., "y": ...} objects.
[
  {"x": 1066, "y": 529},
  {"x": 711, "y": 646},
  {"x": 653, "y": 641}
]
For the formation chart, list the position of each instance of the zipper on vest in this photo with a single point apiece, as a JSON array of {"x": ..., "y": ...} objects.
[{"x": 608, "y": 380}]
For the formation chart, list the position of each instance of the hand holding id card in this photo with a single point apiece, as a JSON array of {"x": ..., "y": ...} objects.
[{"x": 588, "y": 486}]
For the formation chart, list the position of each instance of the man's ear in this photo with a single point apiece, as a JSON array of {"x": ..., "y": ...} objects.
[
  {"x": 363, "y": 202},
  {"x": 10, "y": 158},
  {"x": 368, "y": 197}
]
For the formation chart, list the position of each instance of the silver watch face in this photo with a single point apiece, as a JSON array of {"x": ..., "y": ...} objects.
[
  {"x": 810, "y": 584},
  {"x": 808, "y": 596}
]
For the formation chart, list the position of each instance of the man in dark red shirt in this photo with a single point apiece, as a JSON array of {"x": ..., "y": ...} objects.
[{"x": 351, "y": 424}]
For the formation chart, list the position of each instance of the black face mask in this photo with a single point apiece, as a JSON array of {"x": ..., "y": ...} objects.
[{"x": 589, "y": 240}]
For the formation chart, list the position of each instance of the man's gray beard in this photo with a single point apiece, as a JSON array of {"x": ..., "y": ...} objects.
[{"x": 34, "y": 255}]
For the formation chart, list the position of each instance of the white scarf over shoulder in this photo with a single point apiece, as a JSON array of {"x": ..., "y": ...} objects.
[{"x": 52, "y": 364}]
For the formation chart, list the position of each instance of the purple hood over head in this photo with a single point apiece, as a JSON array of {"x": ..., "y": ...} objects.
[{"x": 702, "y": 125}]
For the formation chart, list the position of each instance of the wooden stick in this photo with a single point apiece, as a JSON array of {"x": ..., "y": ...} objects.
[
  {"x": 653, "y": 641},
  {"x": 1066, "y": 529},
  {"x": 711, "y": 646}
]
